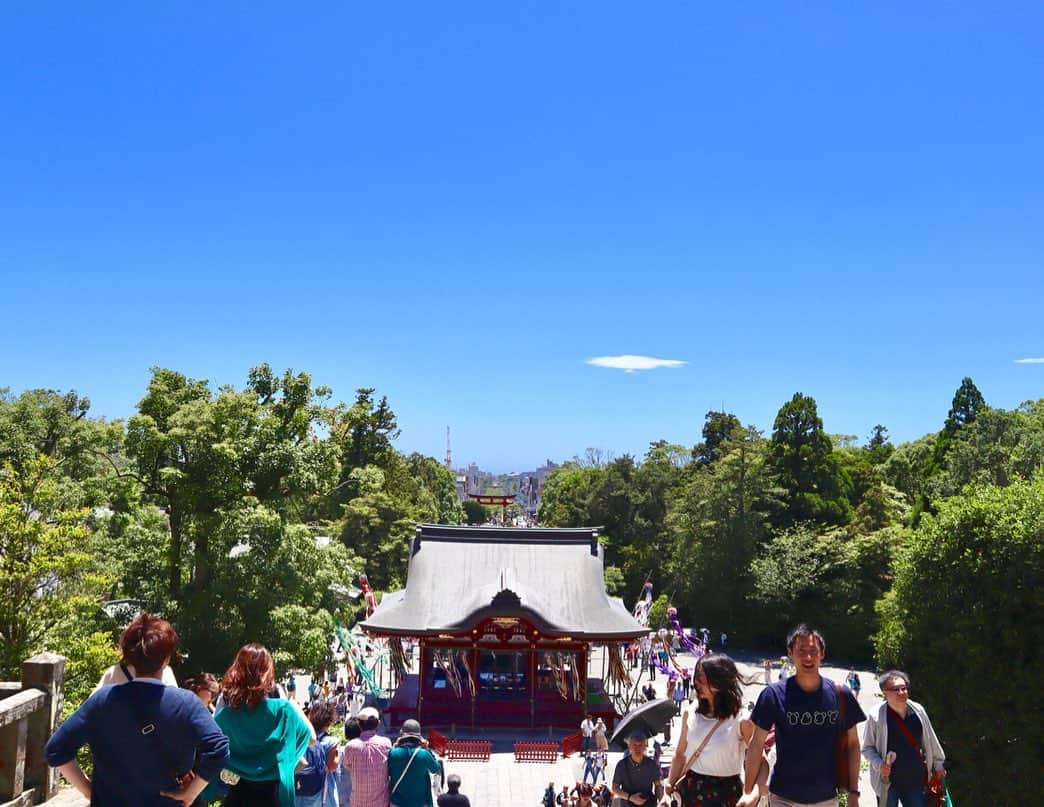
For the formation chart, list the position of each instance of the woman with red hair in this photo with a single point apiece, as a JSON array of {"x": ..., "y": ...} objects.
[
  {"x": 267, "y": 736},
  {"x": 151, "y": 743}
]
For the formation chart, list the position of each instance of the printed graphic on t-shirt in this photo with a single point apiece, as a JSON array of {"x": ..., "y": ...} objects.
[{"x": 818, "y": 717}]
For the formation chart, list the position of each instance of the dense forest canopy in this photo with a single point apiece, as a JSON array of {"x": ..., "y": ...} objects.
[{"x": 245, "y": 514}]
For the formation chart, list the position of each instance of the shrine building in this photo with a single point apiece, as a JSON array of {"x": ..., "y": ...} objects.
[{"x": 504, "y": 618}]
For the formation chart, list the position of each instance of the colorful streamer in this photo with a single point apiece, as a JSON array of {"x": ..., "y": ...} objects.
[
  {"x": 462, "y": 660},
  {"x": 353, "y": 654},
  {"x": 449, "y": 670},
  {"x": 400, "y": 665},
  {"x": 672, "y": 618},
  {"x": 574, "y": 671},
  {"x": 557, "y": 675},
  {"x": 618, "y": 674}
]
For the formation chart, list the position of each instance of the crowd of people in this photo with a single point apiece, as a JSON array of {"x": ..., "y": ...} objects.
[
  {"x": 242, "y": 740},
  {"x": 797, "y": 748}
]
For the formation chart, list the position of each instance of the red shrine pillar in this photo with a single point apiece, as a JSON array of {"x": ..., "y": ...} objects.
[
  {"x": 582, "y": 662},
  {"x": 422, "y": 678}
]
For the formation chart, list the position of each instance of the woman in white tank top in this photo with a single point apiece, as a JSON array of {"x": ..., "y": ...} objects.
[{"x": 713, "y": 779}]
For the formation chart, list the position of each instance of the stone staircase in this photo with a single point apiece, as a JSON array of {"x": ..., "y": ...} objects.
[{"x": 67, "y": 797}]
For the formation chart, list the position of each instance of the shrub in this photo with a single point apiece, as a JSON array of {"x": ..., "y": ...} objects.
[{"x": 964, "y": 618}]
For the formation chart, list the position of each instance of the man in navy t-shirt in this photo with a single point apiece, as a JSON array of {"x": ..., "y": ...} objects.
[{"x": 806, "y": 714}]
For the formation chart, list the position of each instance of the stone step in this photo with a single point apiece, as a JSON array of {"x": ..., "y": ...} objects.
[{"x": 67, "y": 797}]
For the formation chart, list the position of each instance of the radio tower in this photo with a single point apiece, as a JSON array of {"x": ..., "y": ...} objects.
[{"x": 449, "y": 454}]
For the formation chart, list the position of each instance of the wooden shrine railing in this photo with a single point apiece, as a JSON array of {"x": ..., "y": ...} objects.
[
  {"x": 459, "y": 749},
  {"x": 539, "y": 751},
  {"x": 29, "y": 713},
  {"x": 572, "y": 743},
  {"x": 469, "y": 749}
]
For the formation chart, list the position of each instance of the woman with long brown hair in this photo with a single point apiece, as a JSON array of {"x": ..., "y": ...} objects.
[
  {"x": 709, "y": 757},
  {"x": 267, "y": 736}
]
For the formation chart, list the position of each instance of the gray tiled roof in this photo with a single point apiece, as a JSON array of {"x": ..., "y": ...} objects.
[{"x": 455, "y": 573}]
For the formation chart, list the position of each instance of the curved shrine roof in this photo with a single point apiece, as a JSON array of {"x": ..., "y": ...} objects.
[{"x": 459, "y": 576}]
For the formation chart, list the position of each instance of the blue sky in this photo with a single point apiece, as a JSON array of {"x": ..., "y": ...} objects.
[{"x": 461, "y": 204}]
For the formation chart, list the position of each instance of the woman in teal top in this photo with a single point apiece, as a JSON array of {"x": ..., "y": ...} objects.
[{"x": 267, "y": 736}]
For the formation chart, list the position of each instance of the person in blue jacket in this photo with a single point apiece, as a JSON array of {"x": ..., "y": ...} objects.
[{"x": 151, "y": 743}]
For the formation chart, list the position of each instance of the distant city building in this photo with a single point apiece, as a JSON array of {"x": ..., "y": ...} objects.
[{"x": 528, "y": 485}]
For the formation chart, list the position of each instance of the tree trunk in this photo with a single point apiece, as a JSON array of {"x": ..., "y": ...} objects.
[{"x": 176, "y": 518}]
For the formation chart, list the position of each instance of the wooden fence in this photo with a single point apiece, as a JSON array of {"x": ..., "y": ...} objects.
[
  {"x": 469, "y": 749},
  {"x": 29, "y": 713},
  {"x": 540, "y": 751}
]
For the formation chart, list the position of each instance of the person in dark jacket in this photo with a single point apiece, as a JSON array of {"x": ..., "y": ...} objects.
[
  {"x": 150, "y": 742},
  {"x": 453, "y": 797}
]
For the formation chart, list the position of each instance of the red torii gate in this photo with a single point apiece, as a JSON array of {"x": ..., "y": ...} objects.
[{"x": 492, "y": 500}]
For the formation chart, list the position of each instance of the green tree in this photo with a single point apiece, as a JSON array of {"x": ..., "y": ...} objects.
[
  {"x": 433, "y": 488},
  {"x": 826, "y": 576},
  {"x": 998, "y": 447},
  {"x": 613, "y": 504},
  {"x": 658, "y": 612},
  {"x": 302, "y": 638},
  {"x": 717, "y": 428},
  {"x": 49, "y": 578},
  {"x": 967, "y": 404},
  {"x": 363, "y": 434},
  {"x": 614, "y": 581},
  {"x": 201, "y": 456},
  {"x": 57, "y": 468},
  {"x": 904, "y": 468},
  {"x": 656, "y": 483},
  {"x": 376, "y": 526},
  {"x": 49, "y": 423},
  {"x": 475, "y": 512},
  {"x": 233, "y": 472},
  {"x": 569, "y": 494},
  {"x": 803, "y": 456},
  {"x": 717, "y": 522},
  {"x": 965, "y": 618},
  {"x": 878, "y": 446}
]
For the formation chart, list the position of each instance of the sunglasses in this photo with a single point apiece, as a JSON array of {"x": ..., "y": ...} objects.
[{"x": 898, "y": 689}]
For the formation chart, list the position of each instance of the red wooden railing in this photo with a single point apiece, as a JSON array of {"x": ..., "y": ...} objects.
[
  {"x": 459, "y": 749},
  {"x": 572, "y": 743},
  {"x": 469, "y": 749},
  {"x": 542, "y": 751},
  {"x": 437, "y": 742}
]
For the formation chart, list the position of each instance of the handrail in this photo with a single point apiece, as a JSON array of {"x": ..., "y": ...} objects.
[
  {"x": 20, "y": 706},
  {"x": 29, "y": 713}
]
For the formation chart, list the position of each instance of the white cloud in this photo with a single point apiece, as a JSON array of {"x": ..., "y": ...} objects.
[
  {"x": 1029, "y": 361},
  {"x": 631, "y": 363}
]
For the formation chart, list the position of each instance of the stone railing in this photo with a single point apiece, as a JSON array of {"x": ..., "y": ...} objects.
[{"x": 29, "y": 713}]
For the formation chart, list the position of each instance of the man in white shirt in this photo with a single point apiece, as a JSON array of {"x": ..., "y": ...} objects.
[{"x": 587, "y": 730}]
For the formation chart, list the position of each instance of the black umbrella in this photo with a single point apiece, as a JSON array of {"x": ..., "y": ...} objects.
[{"x": 652, "y": 718}]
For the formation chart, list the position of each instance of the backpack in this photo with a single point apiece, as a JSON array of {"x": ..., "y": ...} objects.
[{"x": 312, "y": 777}]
